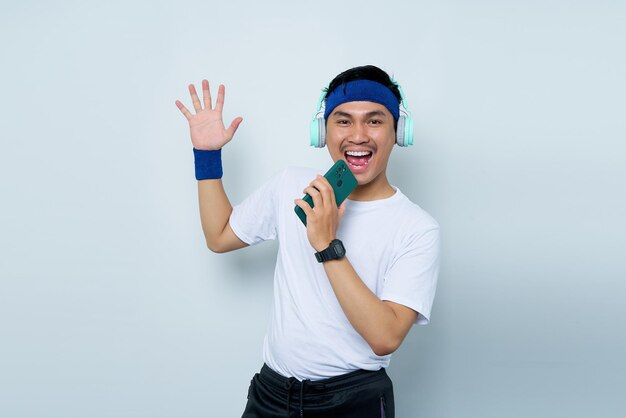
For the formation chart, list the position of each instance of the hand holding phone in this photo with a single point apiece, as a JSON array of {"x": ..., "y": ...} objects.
[{"x": 341, "y": 180}]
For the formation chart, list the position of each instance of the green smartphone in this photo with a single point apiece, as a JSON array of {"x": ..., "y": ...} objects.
[{"x": 342, "y": 181}]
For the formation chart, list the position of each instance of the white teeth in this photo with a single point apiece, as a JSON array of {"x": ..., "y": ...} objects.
[{"x": 358, "y": 153}]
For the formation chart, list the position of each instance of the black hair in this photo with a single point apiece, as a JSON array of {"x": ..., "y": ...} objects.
[{"x": 366, "y": 72}]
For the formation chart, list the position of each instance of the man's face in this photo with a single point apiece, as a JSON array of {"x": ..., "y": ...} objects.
[{"x": 362, "y": 134}]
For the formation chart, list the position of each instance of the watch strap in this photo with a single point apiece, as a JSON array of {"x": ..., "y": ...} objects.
[
  {"x": 323, "y": 255},
  {"x": 334, "y": 251}
]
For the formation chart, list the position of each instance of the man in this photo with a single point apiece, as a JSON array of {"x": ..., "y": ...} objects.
[{"x": 336, "y": 322}]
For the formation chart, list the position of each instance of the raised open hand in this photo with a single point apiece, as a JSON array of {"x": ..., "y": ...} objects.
[{"x": 207, "y": 126}]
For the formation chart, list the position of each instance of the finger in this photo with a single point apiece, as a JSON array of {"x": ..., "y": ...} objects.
[
  {"x": 322, "y": 182},
  {"x": 315, "y": 195},
  {"x": 206, "y": 94},
  {"x": 230, "y": 132},
  {"x": 219, "y": 104},
  {"x": 306, "y": 208},
  {"x": 183, "y": 109},
  {"x": 194, "y": 98},
  {"x": 326, "y": 190}
]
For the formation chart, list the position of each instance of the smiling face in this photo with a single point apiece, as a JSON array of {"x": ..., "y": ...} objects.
[{"x": 363, "y": 134}]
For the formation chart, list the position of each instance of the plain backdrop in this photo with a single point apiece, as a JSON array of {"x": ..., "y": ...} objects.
[{"x": 110, "y": 303}]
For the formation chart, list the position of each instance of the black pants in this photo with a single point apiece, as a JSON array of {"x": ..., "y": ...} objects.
[{"x": 360, "y": 394}]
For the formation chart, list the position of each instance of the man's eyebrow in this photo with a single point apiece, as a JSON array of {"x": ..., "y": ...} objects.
[
  {"x": 376, "y": 113},
  {"x": 340, "y": 113}
]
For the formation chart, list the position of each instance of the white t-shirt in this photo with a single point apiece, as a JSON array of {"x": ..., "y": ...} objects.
[{"x": 393, "y": 246}]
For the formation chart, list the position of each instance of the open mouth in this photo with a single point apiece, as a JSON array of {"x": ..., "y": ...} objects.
[{"x": 358, "y": 160}]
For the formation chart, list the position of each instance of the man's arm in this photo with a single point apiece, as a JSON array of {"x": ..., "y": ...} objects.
[
  {"x": 215, "y": 210},
  {"x": 383, "y": 324},
  {"x": 208, "y": 133}
]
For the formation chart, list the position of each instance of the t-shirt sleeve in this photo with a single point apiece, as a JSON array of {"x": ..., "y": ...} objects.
[
  {"x": 255, "y": 219},
  {"x": 412, "y": 279}
]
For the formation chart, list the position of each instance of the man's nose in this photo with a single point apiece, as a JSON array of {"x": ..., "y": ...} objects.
[{"x": 359, "y": 134}]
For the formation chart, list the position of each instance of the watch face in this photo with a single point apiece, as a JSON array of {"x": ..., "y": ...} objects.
[{"x": 337, "y": 248}]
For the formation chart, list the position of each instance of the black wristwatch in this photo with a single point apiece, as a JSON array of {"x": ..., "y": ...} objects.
[{"x": 335, "y": 251}]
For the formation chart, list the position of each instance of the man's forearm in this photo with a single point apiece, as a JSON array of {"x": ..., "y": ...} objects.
[
  {"x": 382, "y": 324},
  {"x": 215, "y": 210}
]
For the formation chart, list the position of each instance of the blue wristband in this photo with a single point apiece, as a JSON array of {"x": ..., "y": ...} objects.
[{"x": 208, "y": 164}]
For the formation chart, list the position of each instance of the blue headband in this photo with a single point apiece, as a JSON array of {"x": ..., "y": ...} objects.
[{"x": 362, "y": 91}]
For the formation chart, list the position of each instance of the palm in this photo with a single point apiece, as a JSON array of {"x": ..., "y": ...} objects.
[
  {"x": 207, "y": 130},
  {"x": 207, "y": 126}
]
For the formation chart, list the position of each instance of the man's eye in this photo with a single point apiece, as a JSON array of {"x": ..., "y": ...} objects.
[
  {"x": 376, "y": 122},
  {"x": 342, "y": 122}
]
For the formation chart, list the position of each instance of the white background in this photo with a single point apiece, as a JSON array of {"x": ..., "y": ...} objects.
[{"x": 110, "y": 304}]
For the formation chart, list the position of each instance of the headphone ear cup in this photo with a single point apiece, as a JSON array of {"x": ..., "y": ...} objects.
[
  {"x": 314, "y": 132},
  {"x": 322, "y": 132},
  {"x": 400, "y": 131},
  {"x": 318, "y": 132},
  {"x": 408, "y": 131},
  {"x": 318, "y": 124},
  {"x": 404, "y": 130}
]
